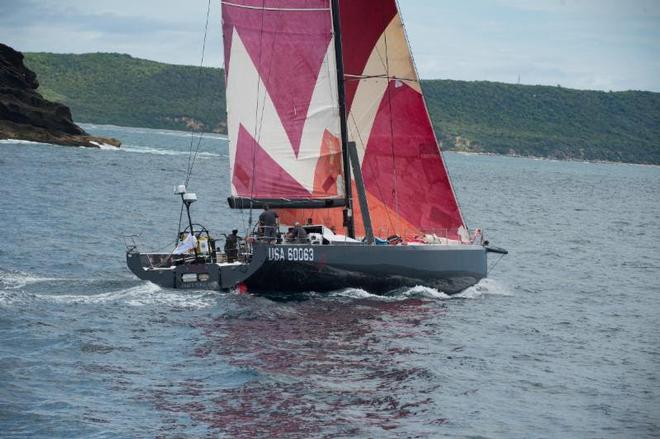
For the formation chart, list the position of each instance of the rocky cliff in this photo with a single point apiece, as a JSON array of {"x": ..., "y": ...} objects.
[{"x": 26, "y": 115}]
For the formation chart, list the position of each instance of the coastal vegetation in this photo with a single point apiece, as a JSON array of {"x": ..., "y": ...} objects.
[
  {"x": 26, "y": 115},
  {"x": 117, "y": 89},
  {"x": 485, "y": 117}
]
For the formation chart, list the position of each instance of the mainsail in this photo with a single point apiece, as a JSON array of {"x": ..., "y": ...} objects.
[
  {"x": 283, "y": 118},
  {"x": 284, "y": 123}
]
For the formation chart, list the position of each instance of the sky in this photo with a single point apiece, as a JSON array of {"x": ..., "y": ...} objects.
[{"x": 584, "y": 44}]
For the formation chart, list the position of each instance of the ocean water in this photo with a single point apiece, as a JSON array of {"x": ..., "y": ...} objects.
[{"x": 562, "y": 340}]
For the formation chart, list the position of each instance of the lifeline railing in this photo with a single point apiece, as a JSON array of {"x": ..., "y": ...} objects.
[{"x": 446, "y": 236}]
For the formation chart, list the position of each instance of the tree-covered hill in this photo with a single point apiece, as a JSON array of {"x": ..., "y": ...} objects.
[
  {"x": 118, "y": 89},
  {"x": 546, "y": 121},
  {"x": 469, "y": 116}
]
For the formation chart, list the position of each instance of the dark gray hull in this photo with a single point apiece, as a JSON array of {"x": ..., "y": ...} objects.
[{"x": 287, "y": 269}]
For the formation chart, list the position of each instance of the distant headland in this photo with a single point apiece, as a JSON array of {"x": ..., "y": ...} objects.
[
  {"x": 26, "y": 115},
  {"x": 480, "y": 117}
]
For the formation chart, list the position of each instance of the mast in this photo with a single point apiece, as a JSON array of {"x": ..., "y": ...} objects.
[
  {"x": 359, "y": 186},
  {"x": 348, "y": 212}
]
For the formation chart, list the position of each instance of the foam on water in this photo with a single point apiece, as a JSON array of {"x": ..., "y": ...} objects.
[
  {"x": 159, "y": 151},
  {"x": 145, "y": 294},
  {"x": 399, "y": 295},
  {"x": 12, "y": 298},
  {"x": 486, "y": 286},
  {"x": 105, "y": 146},
  {"x": 20, "y": 142},
  {"x": 152, "y": 131},
  {"x": 15, "y": 280},
  {"x": 12, "y": 285},
  {"x": 355, "y": 293},
  {"x": 423, "y": 292}
]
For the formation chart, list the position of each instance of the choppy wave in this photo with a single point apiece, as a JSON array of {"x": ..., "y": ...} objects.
[
  {"x": 484, "y": 287},
  {"x": 15, "y": 280},
  {"x": 105, "y": 146},
  {"x": 13, "y": 291},
  {"x": 146, "y": 294},
  {"x": 355, "y": 293},
  {"x": 408, "y": 293},
  {"x": 20, "y": 142},
  {"x": 422, "y": 292}
]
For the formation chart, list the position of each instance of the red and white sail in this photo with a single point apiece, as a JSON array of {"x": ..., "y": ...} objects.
[{"x": 284, "y": 120}]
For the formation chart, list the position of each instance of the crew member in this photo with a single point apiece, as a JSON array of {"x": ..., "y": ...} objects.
[
  {"x": 268, "y": 221},
  {"x": 231, "y": 246},
  {"x": 299, "y": 234}
]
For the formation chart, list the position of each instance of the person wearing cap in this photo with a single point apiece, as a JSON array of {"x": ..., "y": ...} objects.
[{"x": 231, "y": 246}]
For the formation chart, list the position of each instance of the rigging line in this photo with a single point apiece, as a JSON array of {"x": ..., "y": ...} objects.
[
  {"x": 260, "y": 123},
  {"x": 380, "y": 192},
  {"x": 178, "y": 228},
  {"x": 191, "y": 159},
  {"x": 192, "y": 133},
  {"x": 256, "y": 111},
  {"x": 492, "y": 267},
  {"x": 385, "y": 63},
  {"x": 395, "y": 193},
  {"x": 331, "y": 65},
  {"x": 199, "y": 142},
  {"x": 352, "y": 116},
  {"x": 440, "y": 152}
]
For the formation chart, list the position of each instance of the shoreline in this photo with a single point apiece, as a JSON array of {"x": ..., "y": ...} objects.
[
  {"x": 37, "y": 134},
  {"x": 218, "y": 136},
  {"x": 549, "y": 159}
]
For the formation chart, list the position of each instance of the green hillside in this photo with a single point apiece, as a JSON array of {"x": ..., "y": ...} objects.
[
  {"x": 118, "y": 89},
  {"x": 469, "y": 116},
  {"x": 546, "y": 121}
]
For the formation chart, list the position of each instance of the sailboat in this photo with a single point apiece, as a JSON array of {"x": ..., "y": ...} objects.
[{"x": 327, "y": 126}]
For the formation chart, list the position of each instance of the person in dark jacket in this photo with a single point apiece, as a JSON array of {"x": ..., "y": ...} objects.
[
  {"x": 299, "y": 234},
  {"x": 268, "y": 222},
  {"x": 231, "y": 246}
]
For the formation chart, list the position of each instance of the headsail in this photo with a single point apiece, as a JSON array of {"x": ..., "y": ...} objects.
[
  {"x": 408, "y": 188},
  {"x": 283, "y": 119}
]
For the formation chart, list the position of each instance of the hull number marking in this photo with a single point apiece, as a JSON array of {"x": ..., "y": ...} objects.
[{"x": 290, "y": 254}]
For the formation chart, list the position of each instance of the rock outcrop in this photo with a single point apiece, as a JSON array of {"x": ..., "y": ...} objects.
[{"x": 26, "y": 115}]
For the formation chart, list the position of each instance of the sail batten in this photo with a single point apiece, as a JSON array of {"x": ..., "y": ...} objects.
[{"x": 272, "y": 8}]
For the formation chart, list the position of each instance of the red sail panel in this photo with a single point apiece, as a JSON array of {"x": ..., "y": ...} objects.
[
  {"x": 363, "y": 23},
  {"x": 282, "y": 94},
  {"x": 274, "y": 182},
  {"x": 403, "y": 169}
]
